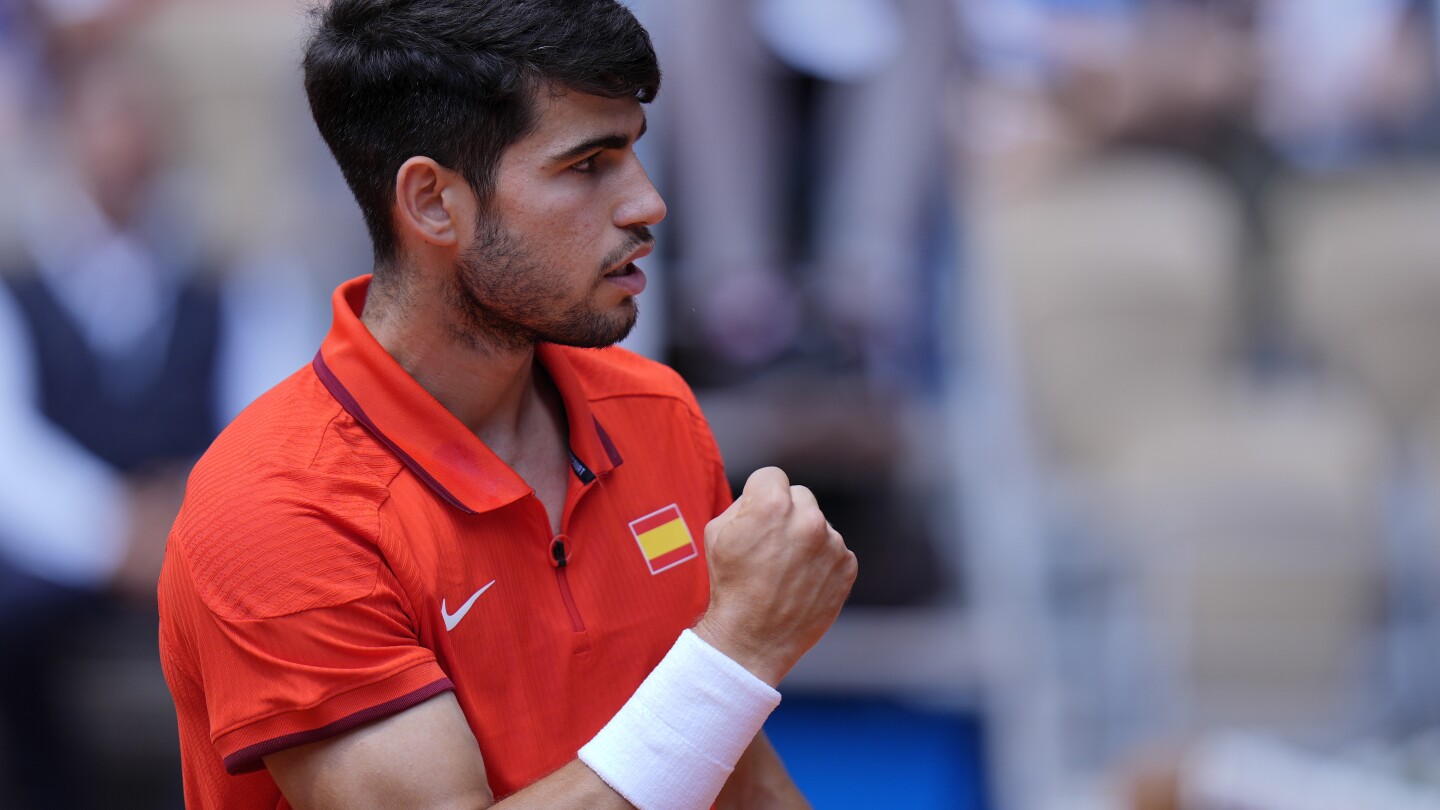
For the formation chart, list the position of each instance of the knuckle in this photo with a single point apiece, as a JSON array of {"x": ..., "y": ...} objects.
[
  {"x": 767, "y": 478},
  {"x": 779, "y": 475},
  {"x": 772, "y": 498},
  {"x": 813, "y": 523}
]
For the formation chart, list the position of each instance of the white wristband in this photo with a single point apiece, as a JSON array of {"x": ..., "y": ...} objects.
[{"x": 675, "y": 742}]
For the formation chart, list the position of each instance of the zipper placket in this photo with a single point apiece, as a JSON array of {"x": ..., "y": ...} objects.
[
  {"x": 558, "y": 557},
  {"x": 560, "y": 547}
]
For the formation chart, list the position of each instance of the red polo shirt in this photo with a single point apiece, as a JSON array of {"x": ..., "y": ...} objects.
[{"x": 348, "y": 549}]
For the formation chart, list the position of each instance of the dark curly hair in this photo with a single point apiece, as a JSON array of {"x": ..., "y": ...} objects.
[{"x": 456, "y": 81}]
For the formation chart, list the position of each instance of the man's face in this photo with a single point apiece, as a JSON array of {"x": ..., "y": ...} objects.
[{"x": 550, "y": 257}]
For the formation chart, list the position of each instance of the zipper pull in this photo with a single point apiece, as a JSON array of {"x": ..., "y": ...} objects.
[{"x": 558, "y": 552}]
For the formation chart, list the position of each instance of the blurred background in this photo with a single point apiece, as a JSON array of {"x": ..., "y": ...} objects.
[{"x": 1107, "y": 332}]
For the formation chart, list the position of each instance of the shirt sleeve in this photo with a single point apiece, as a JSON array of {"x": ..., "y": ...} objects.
[
  {"x": 722, "y": 496},
  {"x": 292, "y": 642}
]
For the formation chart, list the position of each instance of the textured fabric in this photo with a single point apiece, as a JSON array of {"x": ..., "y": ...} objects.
[{"x": 344, "y": 520}]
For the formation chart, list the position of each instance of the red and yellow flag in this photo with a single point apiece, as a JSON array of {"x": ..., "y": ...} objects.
[{"x": 664, "y": 538}]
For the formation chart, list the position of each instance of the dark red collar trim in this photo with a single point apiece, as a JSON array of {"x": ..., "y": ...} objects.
[{"x": 352, "y": 407}]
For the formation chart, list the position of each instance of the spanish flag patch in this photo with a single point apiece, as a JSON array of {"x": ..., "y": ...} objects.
[{"x": 664, "y": 539}]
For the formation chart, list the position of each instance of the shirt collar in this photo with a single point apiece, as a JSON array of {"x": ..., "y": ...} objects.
[{"x": 372, "y": 387}]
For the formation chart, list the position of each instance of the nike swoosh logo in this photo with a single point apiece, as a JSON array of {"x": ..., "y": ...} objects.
[{"x": 452, "y": 619}]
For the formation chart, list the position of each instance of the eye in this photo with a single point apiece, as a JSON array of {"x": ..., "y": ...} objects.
[{"x": 585, "y": 166}]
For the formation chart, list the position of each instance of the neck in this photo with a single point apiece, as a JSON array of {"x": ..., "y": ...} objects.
[{"x": 495, "y": 389}]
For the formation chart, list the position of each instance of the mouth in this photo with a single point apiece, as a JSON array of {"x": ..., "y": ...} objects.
[
  {"x": 627, "y": 277},
  {"x": 627, "y": 266}
]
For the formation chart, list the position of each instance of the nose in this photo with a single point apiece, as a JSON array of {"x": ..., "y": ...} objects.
[{"x": 642, "y": 204}]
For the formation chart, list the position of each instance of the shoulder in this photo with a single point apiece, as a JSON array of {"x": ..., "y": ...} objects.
[
  {"x": 295, "y": 426},
  {"x": 281, "y": 514}
]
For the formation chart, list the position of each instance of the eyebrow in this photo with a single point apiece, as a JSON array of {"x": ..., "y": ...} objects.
[{"x": 611, "y": 141}]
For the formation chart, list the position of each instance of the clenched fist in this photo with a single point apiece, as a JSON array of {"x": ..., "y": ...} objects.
[{"x": 778, "y": 576}]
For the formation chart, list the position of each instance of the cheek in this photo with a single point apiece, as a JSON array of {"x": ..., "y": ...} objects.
[
  {"x": 563, "y": 220},
  {"x": 569, "y": 225},
  {"x": 570, "y": 203}
]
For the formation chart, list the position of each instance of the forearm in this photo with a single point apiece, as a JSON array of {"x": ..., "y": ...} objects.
[
  {"x": 700, "y": 709},
  {"x": 760, "y": 782},
  {"x": 672, "y": 745},
  {"x": 573, "y": 787}
]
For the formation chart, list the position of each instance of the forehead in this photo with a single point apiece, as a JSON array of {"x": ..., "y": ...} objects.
[{"x": 565, "y": 119}]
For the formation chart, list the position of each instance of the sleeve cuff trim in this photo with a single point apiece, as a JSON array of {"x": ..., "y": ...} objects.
[{"x": 251, "y": 757}]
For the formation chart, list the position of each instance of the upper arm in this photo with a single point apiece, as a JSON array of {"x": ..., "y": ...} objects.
[
  {"x": 422, "y": 757},
  {"x": 425, "y": 758}
]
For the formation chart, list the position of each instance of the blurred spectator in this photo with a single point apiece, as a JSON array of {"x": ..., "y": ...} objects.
[
  {"x": 108, "y": 346},
  {"x": 119, "y": 360},
  {"x": 1250, "y": 88},
  {"x": 807, "y": 142},
  {"x": 1323, "y": 84},
  {"x": 1347, "y": 80}
]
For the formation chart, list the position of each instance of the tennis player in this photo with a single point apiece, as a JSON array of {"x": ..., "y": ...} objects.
[{"x": 473, "y": 554}]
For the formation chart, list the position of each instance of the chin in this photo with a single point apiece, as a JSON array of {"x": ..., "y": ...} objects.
[{"x": 599, "y": 331}]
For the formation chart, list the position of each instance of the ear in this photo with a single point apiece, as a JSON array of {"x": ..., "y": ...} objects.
[{"x": 431, "y": 201}]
